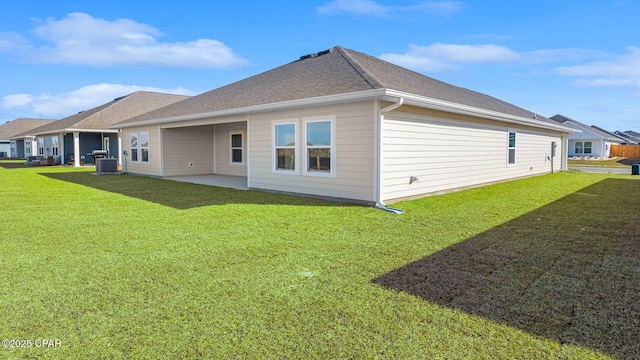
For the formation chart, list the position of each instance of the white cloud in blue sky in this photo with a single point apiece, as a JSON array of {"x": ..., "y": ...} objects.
[
  {"x": 578, "y": 59},
  {"x": 439, "y": 57},
  {"x": 623, "y": 71},
  {"x": 82, "y": 39},
  {"x": 373, "y": 8},
  {"x": 83, "y": 98}
]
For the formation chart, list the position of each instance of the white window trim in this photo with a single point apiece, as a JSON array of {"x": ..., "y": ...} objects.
[
  {"x": 231, "y": 148},
  {"x": 137, "y": 148},
  {"x": 582, "y": 147},
  {"x": 274, "y": 158},
  {"x": 55, "y": 146},
  {"x": 515, "y": 148},
  {"x": 40, "y": 146},
  {"x": 332, "y": 148},
  {"x": 140, "y": 147}
]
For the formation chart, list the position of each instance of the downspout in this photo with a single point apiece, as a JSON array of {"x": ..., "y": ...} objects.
[{"x": 379, "y": 203}]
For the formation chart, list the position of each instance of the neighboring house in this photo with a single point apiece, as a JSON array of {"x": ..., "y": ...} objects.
[
  {"x": 634, "y": 134},
  {"x": 346, "y": 125},
  {"x": 587, "y": 140},
  {"x": 622, "y": 140},
  {"x": 630, "y": 139},
  {"x": 72, "y": 139},
  {"x": 18, "y": 148}
]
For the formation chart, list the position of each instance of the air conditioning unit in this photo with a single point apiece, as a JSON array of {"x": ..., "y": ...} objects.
[{"x": 106, "y": 166}]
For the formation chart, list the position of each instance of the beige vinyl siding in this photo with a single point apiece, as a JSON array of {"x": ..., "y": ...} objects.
[
  {"x": 188, "y": 150},
  {"x": 354, "y": 152},
  {"x": 446, "y": 152},
  {"x": 153, "y": 167},
  {"x": 223, "y": 164}
]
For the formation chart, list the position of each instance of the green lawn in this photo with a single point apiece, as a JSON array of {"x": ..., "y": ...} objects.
[
  {"x": 133, "y": 268},
  {"x": 608, "y": 163}
]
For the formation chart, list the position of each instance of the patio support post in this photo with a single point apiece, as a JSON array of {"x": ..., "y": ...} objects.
[
  {"x": 120, "y": 147},
  {"x": 76, "y": 149}
]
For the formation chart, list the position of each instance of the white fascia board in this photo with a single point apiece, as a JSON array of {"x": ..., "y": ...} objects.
[
  {"x": 110, "y": 131},
  {"x": 70, "y": 130},
  {"x": 22, "y": 137},
  {"x": 292, "y": 104},
  {"x": 435, "y": 104}
]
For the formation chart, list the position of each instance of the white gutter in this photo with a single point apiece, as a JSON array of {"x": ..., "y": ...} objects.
[
  {"x": 435, "y": 104},
  {"x": 378, "y": 180},
  {"x": 71, "y": 130},
  {"x": 320, "y": 100},
  {"x": 380, "y": 94}
]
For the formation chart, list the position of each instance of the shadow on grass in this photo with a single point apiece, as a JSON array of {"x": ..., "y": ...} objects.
[
  {"x": 180, "y": 195},
  {"x": 569, "y": 271},
  {"x": 629, "y": 161},
  {"x": 13, "y": 164}
]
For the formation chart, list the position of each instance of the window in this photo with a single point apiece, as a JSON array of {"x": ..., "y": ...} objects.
[
  {"x": 144, "y": 147},
  {"x": 139, "y": 147},
  {"x": 319, "y": 151},
  {"x": 40, "y": 146},
  {"x": 583, "y": 147},
  {"x": 285, "y": 146},
  {"x": 27, "y": 148},
  {"x": 512, "y": 148},
  {"x": 587, "y": 147},
  {"x": 236, "y": 142},
  {"x": 54, "y": 145},
  {"x": 134, "y": 147}
]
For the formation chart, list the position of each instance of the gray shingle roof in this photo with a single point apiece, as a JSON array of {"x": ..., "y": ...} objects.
[
  {"x": 20, "y": 125},
  {"x": 333, "y": 72},
  {"x": 101, "y": 117},
  {"x": 594, "y": 129},
  {"x": 626, "y": 135},
  {"x": 612, "y": 135}
]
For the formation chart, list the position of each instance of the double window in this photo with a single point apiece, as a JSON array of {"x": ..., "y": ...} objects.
[
  {"x": 583, "y": 147},
  {"x": 139, "y": 147},
  {"x": 511, "y": 157},
  {"x": 318, "y": 151}
]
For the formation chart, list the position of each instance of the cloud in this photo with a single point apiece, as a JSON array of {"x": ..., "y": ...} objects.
[
  {"x": 80, "y": 38},
  {"x": 68, "y": 103},
  {"x": 358, "y": 7},
  {"x": 591, "y": 68},
  {"x": 440, "y": 57},
  {"x": 622, "y": 71},
  {"x": 372, "y": 8}
]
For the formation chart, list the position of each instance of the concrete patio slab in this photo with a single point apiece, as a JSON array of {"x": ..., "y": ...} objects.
[{"x": 226, "y": 181}]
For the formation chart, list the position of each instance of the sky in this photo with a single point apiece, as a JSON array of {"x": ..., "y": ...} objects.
[{"x": 580, "y": 59}]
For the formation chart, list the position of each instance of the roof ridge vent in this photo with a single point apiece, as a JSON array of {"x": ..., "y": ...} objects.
[{"x": 315, "y": 54}]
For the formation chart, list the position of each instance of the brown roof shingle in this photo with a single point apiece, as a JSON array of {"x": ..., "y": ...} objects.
[
  {"x": 20, "y": 125},
  {"x": 101, "y": 117}
]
